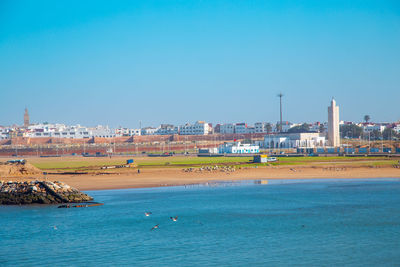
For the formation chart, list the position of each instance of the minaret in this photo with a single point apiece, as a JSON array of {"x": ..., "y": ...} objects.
[
  {"x": 333, "y": 124},
  {"x": 26, "y": 118}
]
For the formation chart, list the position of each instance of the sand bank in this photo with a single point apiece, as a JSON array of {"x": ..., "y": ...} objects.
[{"x": 175, "y": 176}]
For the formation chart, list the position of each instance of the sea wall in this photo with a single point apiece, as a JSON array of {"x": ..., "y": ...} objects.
[
  {"x": 39, "y": 192},
  {"x": 28, "y": 141}
]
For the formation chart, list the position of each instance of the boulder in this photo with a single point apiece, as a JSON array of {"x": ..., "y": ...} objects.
[{"x": 14, "y": 193}]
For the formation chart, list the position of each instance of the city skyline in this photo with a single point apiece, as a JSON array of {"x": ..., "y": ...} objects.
[
  {"x": 163, "y": 62},
  {"x": 26, "y": 122}
]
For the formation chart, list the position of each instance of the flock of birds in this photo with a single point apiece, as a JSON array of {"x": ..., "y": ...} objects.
[{"x": 147, "y": 214}]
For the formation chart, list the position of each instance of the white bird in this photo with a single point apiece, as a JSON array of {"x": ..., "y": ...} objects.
[
  {"x": 174, "y": 218},
  {"x": 154, "y": 227},
  {"x": 147, "y": 214}
]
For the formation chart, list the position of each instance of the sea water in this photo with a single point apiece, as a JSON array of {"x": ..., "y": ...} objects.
[{"x": 304, "y": 223}]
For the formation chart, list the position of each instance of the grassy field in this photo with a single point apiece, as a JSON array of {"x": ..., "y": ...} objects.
[
  {"x": 72, "y": 164},
  {"x": 193, "y": 161},
  {"x": 79, "y": 163}
]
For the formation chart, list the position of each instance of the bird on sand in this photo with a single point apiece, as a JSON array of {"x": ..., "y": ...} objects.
[
  {"x": 174, "y": 218},
  {"x": 154, "y": 227},
  {"x": 147, "y": 214}
]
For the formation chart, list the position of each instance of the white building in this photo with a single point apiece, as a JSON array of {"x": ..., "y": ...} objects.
[
  {"x": 148, "y": 131},
  {"x": 262, "y": 127},
  {"x": 374, "y": 127},
  {"x": 315, "y": 127},
  {"x": 43, "y": 130},
  {"x": 99, "y": 131},
  {"x": 199, "y": 128},
  {"x": 4, "y": 133},
  {"x": 167, "y": 129},
  {"x": 241, "y": 128},
  {"x": 333, "y": 124},
  {"x": 136, "y": 132},
  {"x": 251, "y": 129},
  {"x": 286, "y": 125},
  {"x": 63, "y": 131},
  {"x": 238, "y": 148},
  {"x": 396, "y": 128},
  {"x": 127, "y": 132},
  {"x": 294, "y": 140},
  {"x": 227, "y": 128}
]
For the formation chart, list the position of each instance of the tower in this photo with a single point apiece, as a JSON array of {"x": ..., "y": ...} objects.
[
  {"x": 26, "y": 118},
  {"x": 333, "y": 124},
  {"x": 280, "y": 109}
]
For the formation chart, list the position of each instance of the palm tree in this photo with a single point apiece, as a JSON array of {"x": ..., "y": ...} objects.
[{"x": 367, "y": 118}]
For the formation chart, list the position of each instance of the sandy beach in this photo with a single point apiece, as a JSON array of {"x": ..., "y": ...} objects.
[
  {"x": 174, "y": 176},
  {"x": 156, "y": 172}
]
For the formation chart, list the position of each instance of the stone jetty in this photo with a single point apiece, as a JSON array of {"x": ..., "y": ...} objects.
[{"x": 39, "y": 192}]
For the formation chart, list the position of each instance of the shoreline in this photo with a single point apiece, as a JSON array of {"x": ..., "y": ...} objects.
[
  {"x": 162, "y": 177},
  {"x": 250, "y": 180}
]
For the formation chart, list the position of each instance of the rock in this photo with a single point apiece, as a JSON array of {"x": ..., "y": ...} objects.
[{"x": 14, "y": 193}]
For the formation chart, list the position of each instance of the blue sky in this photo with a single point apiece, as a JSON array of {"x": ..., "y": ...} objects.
[{"x": 121, "y": 62}]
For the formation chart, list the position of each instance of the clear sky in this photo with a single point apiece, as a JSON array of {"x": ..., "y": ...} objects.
[{"x": 121, "y": 62}]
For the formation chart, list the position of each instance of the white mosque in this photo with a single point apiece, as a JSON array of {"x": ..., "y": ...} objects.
[{"x": 308, "y": 140}]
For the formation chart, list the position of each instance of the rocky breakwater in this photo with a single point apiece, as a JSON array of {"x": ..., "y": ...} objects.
[{"x": 39, "y": 192}]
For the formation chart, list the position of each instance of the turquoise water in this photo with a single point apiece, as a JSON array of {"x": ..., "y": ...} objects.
[{"x": 306, "y": 223}]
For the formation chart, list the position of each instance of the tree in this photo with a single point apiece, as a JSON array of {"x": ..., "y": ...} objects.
[
  {"x": 304, "y": 128},
  {"x": 268, "y": 127},
  {"x": 389, "y": 133},
  {"x": 376, "y": 135},
  {"x": 322, "y": 128},
  {"x": 350, "y": 130},
  {"x": 367, "y": 118}
]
